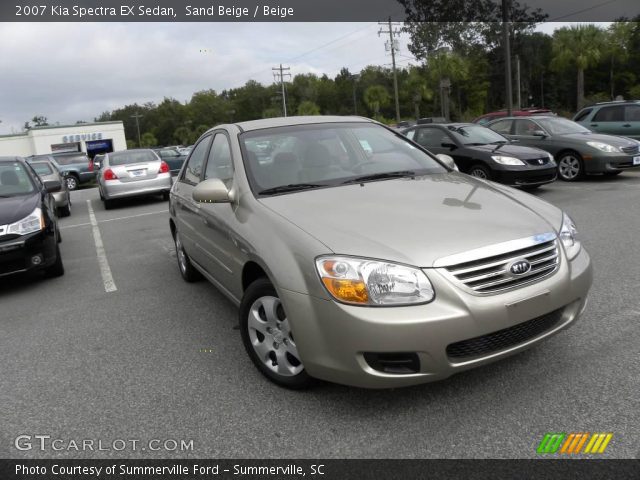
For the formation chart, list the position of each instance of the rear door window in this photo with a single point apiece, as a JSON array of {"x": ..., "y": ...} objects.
[
  {"x": 503, "y": 127},
  {"x": 432, "y": 137},
  {"x": 610, "y": 114},
  {"x": 632, "y": 113}
]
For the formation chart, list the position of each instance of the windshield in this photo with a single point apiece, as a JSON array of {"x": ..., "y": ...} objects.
[
  {"x": 14, "y": 180},
  {"x": 42, "y": 168},
  {"x": 132, "y": 156},
  {"x": 476, "y": 135},
  {"x": 561, "y": 126},
  {"x": 333, "y": 154}
]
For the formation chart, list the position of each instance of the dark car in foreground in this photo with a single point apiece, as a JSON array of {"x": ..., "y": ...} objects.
[
  {"x": 132, "y": 173},
  {"x": 359, "y": 258},
  {"x": 29, "y": 234},
  {"x": 577, "y": 150},
  {"x": 47, "y": 172},
  {"x": 483, "y": 153},
  {"x": 76, "y": 167}
]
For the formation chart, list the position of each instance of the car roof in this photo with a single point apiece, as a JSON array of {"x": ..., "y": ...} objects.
[
  {"x": 525, "y": 117},
  {"x": 11, "y": 159},
  {"x": 303, "y": 120},
  {"x": 613, "y": 102}
]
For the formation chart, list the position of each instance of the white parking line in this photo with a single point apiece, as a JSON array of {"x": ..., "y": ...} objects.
[
  {"x": 105, "y": 270},
  {"x": 114, "y": 219}
]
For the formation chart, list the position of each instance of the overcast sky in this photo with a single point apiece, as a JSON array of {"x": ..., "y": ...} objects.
[{"x": 75, "y": 71}]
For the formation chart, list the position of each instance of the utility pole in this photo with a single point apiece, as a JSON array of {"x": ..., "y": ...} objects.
[
  {"x": 518, "y": 93},
  {"x": 506, "y": 4},
  {"x": 279, "y": 75},
  {"x": 138, "y": 116},
  {"x": 393, "y": 28}
]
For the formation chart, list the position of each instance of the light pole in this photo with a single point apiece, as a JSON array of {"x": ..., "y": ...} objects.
[{"x": 137, "y": 116}]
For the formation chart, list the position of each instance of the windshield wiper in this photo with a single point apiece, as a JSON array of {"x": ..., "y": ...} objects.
[
  {"x": 499, "y": 142},
  {"x": 381, "y": 176},
  {"x": 292, "y": 187},
  {"x": 476, "y": 144}
]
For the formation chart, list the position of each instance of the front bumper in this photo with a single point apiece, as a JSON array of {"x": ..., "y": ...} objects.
[
  {"x": 333, "y": 338},
  {"x": 523, "y": 176},
  {"x": 602, "y": 162},
  {"x": 117, "y": 189},
  {"x": 17, "y": 255}
]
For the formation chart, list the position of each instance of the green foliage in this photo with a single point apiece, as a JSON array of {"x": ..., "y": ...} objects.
[
  {"x": 148, "y": 140},
  {"x": 376, "y": 97},
  {"x": 308, "y": 108},
  {"x": 634, "y": 92}
]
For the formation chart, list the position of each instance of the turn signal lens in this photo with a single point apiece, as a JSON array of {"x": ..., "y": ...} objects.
[{"x": 362, "y": 281}]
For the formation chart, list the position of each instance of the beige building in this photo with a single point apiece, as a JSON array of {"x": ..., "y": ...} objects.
[{"x": 91, "y": 138}]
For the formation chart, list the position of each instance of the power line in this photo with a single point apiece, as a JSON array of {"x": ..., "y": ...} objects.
[
  {"x": 581, "y": 11},
  {"x": 330, "y": 43},
  {"x": 278, "y": 73}
]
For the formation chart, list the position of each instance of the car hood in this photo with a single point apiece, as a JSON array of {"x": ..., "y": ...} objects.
[
  {"x": 16, "y": 208},
  {"x": 415, "y": 221},
  {"x": 600, "y": 137},
  {"x": 506, "y": 149}
]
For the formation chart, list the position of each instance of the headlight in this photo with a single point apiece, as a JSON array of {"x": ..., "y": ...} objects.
[
  {"x": 507, "y": 160},
  {"x": 569, "y": 237},
  {"x": 33, "y": 222},
  {"x": 361, "y": 281},
  {"x": 604, "y": 147},
  {"x": 551, "y": 159}
]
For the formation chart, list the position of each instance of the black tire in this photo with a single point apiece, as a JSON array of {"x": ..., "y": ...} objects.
[
  {"x": 108, "y": 204},
  {"x": 480, "y": 171},
  {"x": 611, "y": 174},
  {"x": 275, "y": 343},
  {"x": 570, "y": 166},
  {"x": 57, "y": 269},
  {"x": 530, "y": 188},
  {"x": 188, "y": 271},
  {"x": 165, "y": 196},
  {"x": 72, "y": 182},
  {"x": 59, "y": 235},
  {"x": 65, "y": 211}
]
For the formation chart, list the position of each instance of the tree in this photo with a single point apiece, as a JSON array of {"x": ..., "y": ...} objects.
[
  {"x": 618, "y": 39},
  {"x": 148, "y": 140},
  {"x": 577, "y": 47},
  {"x": 183, "y": 135},
  {"x": 376, "y": 97},
  {"x": 308, "y": 108}
]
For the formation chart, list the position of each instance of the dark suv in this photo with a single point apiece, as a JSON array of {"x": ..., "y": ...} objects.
[{"x": 76, "y": 167}]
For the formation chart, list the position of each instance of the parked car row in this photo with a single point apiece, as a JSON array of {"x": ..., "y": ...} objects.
[
  {"x": 76, "y": 167},
  {"x": 528, "y": 151}
]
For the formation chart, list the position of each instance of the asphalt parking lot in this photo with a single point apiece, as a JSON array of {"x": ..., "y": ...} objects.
[{"x": 121, "y": 347}]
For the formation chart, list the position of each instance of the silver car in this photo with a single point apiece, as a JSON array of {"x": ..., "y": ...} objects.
[
  {"x": 357, "y": 257},
  {"x": 131, "y": 173},
  {"x": 47, "y": 171}
]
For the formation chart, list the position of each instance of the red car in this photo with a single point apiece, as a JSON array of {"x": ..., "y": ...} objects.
[{"x": 525, "y": 112}]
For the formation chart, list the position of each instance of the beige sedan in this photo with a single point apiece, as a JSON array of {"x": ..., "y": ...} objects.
[{"x": 357, "y": 257}]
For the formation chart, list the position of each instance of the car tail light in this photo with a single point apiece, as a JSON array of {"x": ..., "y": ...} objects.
[
  {"x": 109, "y": 175},
  {"x": 90, "y": 165},
  {"x": 164, "y": 168}
]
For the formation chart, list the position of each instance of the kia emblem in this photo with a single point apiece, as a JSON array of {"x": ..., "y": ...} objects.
[{"x": 520, "y": 267}]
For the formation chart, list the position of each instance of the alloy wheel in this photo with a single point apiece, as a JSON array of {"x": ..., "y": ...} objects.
[
  {"x": 569, "y": 167},
  {"x": 182, "y": 257}
]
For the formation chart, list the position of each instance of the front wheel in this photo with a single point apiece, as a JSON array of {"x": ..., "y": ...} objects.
[
  {"x": 480, "y": 171},
  {"x": 57, "y": 269},
  {"x": 267, "y": 337},
  {"x": 65, "y": 211},
  {"x": 570, "y": 167}
]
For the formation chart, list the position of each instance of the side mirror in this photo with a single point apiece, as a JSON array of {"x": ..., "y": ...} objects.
[
  {"x": 96, "y": 165},
  {"x": 448, "y": 161},
  {"x": 211, "y": 191},
  {"x": 450, "y": 146},
  {"x": 539, "y": 133},
  {"x": 53, "y": 186}
]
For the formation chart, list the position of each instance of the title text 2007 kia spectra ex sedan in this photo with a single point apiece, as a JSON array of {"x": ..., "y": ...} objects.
[{"x": 357, "y": 257}]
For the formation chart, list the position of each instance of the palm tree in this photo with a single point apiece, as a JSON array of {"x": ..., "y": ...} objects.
[
  {"x": 376, "y": 97},
  {"x": 579, "y": 47}
]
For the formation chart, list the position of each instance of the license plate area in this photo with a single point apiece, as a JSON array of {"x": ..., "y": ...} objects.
[
  {"x": 138, "y": 173},
  {"x": 636, "y": 160},
  {"x": 530, "y": 307}
]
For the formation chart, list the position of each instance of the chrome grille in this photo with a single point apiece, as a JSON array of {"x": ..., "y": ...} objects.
[
  {"x": 632, "y": 150},
  {"x": 538, "y": 161},
  {"x": 492, "y": 274}
]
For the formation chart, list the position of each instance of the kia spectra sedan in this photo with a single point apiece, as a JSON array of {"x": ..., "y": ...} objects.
[{"x": 357, "y": 257}]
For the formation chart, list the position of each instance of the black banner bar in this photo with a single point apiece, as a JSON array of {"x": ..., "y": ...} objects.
[
  {"x": 115, "y": 469},
  {"x": 307, "y": 10}
]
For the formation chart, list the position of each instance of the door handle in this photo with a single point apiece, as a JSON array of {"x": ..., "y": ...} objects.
[
  {"x": 626, "y": 125},
  {"x": 594, "y": 124}
]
